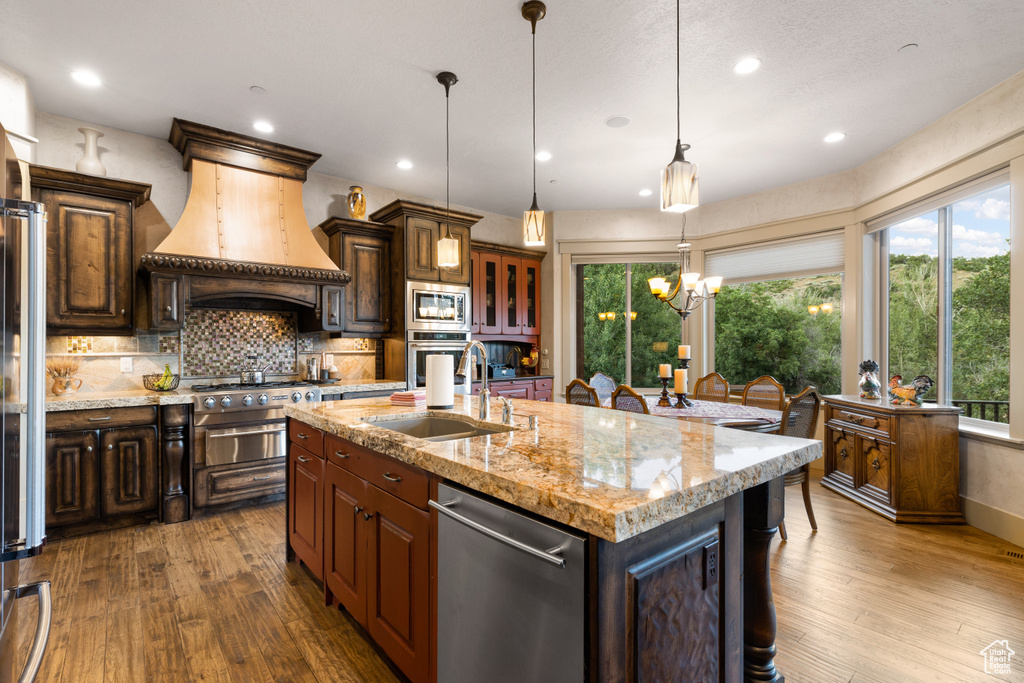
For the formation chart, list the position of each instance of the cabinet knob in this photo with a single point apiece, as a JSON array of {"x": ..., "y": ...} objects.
[
  {"x": 367, "y": 515},
  {"x": 168, "y": 309},
  {"x": 843, "y": 453},
  {"x": 877, "y": 465},
  {"x": 122, "y": 311},
  {"x": 110, "y": 447},
  {"x": 358, "y": 510},
  {"x": 88, "y": 449}
]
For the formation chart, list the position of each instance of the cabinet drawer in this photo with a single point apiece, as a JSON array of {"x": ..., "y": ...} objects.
[
  {"x": 349, "y": 456},
  {"x": 544, "y": 384},
  {"x": 230, "y": 483},
  {"x": 309, "y": 438},
  {"x": 542, "y": 395},
  {"x": 861, "y": 419},
  {"x": 380, "y": 470},
  {"x": 103, "y": 418}
]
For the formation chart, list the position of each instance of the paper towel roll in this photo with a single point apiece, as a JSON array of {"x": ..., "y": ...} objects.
[{"x": 440, "y": 381}]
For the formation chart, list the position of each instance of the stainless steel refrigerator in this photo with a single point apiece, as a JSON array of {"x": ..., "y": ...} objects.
[{"x": 22, "y": 393}]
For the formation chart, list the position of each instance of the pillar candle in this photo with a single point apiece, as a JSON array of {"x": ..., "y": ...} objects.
[
  {"x": 680, "y": 386},
  {"x": 684, "y": 351},
  {"x": 664, "y": 370}
]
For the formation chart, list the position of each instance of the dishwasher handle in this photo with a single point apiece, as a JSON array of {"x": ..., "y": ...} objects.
[{"x": 546, "y": 555}]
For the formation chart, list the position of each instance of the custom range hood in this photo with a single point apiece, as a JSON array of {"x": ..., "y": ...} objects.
[{"x": 242, "y": 240}]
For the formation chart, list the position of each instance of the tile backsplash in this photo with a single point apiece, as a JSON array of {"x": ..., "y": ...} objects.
[{"x": 217, "y": 343}]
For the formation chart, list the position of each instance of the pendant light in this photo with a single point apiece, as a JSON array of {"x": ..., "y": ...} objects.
[
  {"x": 447, "y": 246},
  {"x": 679, "y": 178},
  {"x": 533, "y": 219}
]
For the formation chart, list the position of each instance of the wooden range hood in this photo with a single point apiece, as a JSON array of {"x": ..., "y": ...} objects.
[{"x": 242, "y": 240}]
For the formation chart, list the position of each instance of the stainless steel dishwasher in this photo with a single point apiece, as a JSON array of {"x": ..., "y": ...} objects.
[{"x": 510, "y": 595}]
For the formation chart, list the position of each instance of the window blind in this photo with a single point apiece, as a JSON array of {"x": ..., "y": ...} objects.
[{"x": 788, "y": 258}]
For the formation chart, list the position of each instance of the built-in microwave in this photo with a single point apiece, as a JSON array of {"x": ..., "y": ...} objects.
[{"x": 435, "y": 307}]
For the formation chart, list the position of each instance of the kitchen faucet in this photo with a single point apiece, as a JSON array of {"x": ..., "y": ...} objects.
[{"x": 485, "y": 394}]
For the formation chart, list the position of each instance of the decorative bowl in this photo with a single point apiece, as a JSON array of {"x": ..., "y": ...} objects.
[{"x": 150, "y": 382}]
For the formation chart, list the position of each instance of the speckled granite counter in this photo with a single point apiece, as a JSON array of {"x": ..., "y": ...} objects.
[
  {"x": 348, "y": 386},
  {"x": 116, "y": 399},
  {"x": 605, "y": 472}
]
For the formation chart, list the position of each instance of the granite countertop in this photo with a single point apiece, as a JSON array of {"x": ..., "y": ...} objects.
[
  {"x": 90, "y": 400},
  {"x": 606, "y": 472},
  {"x": 348, "y": 386}
]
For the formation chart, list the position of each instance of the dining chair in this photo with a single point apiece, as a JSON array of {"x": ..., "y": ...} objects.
[
  {"x": 580, "y": 393},
  {"x": 624, "y": 398},
  {"x": 603, "y": 385},
  {"x": 711, "y": 387},
  {"x": 764, "y": 392},
  {"x": 800, "y": 418}
]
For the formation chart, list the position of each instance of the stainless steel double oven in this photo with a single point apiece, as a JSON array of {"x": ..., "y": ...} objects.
[{"x": 436, "y": 323}]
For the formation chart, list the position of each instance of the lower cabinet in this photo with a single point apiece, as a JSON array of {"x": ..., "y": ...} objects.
[
  {"x": 129, "y": 470},
  {"x": 534, "y": 389},
  {"x": 374, "y": 542},
  {"x": 72, "y": 478}
]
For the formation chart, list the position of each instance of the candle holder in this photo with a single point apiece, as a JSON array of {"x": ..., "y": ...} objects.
[
  {"x": 682, "y": 401},
  {"x": 664, "y": 401}
]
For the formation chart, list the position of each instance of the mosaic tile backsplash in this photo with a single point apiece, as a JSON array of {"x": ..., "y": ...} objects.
[{"x": 216, "y": 343}]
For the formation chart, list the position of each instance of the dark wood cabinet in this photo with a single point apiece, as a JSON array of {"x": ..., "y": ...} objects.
[
  {"x": 89, "y": 250},
  {"x": 130, "y": 471},
  {"x": 363, "y": 250},
  {"x": 460, "y": 274},
  {"x": 529, "y": 297},
  {"x": 491, "y": 293},
  {"x": 506, "y": 292},
  {"x": 417, "y": 229},
  {"x": 902, "y": 462},
  {"x": 421, "y": 249},
  {"x": 511, "y": 310},
  {"x": 72, "y": 478},
  {"x": 332, "y": 308},
  {"x": 167, "y": 302},
  {"x": 398, "y": 578},
  {"x": 305, "y": 507},
  {"x": 476, "y": 292}
]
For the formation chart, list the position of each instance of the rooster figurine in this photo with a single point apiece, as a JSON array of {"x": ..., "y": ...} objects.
[
  {"x": 909, "y": 394},
  {"x": 869, "y": 384}
]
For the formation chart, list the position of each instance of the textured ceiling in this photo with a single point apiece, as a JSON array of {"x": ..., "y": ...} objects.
[{"x": 355, "y": 81}]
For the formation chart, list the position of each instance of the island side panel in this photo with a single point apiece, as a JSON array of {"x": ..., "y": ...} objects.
[
  {"x": 763, "y": 511},
  {"x": 669, "y": 610}
]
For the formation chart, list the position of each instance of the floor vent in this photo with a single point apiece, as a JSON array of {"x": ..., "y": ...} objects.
[{"x": 1014, "y": 554}]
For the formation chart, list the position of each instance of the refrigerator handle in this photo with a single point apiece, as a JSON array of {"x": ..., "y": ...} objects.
[
  {"x": 34, "y": 342},
  {"x": 35, "y": 656}
]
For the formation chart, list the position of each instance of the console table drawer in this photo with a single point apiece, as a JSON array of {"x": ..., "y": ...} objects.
[{"x": 863, "y": 420}]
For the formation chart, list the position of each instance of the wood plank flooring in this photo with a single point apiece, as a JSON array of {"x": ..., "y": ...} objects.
[{"x": 861, "y": 600}]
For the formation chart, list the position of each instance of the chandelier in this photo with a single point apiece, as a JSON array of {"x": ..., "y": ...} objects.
[{"x": 697, "y": 290}]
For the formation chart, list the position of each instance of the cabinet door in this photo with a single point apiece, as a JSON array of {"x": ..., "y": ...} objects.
[
  {"x": 515, "y": 390},
  {"x": 459, "y": 275},
  {"x": 490, "y": 293},
  {"x": 529, "y": 297},
  {"x": 398, "y": 585},
  {"x": 841, "y": 456},
  {"x": 89, "y": 263},
  {"x": 167, "y": 304},
  {"x": 511, "y": 315},
  {"x": 333, "y": 308},
  {"x": 476, "y": 291},
  {"x": 542, "y": 395},
  {"x": 305, "y": 507},
  {"x": 421, "y": 249},
  {"x": 72, "y": 478},
  {"x": 129, "y": 470},
  {"x": 368, "y": 260},
  {"x": 345, "y": 539},
  {"x": 876, "y": 468}
]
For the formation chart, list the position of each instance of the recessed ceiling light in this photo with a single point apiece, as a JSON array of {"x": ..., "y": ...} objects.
[
  {"x": 543, "y": 156},
  {"x": 835, "y": 137},
  {"x": 263, "y": 126},
  {"x": 87, "y": 78},
  {"x": 257, "y": 90},
  {"x": 646, "y": 192},
  {"x": 908, "y": 48},
  {"x": 404, "y": 164},
  {"x": 748, "y": 65},
  {"x": 617, "y": 121}
]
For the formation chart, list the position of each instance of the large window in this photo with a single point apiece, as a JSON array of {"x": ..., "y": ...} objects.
[
  {"x": 626, "y": 332},
  {"x": 949, "y": 300}
]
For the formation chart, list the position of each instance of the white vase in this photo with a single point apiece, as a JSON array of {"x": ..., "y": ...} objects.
[{"x": 90, "y": 163}]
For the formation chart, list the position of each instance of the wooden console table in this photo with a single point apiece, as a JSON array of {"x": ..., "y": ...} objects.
[{"x": 902, "y": 462}]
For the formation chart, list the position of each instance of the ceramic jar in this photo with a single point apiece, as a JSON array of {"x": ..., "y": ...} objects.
[
  {"x": 65, "y": 385},
  {"x": 90, "y": 163},
  {"x": 356, "y": 203}
]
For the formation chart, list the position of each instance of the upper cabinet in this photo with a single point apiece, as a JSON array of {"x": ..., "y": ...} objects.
[
  {"x": 363, "y": 249},
  {"x": 506, "y": 292},
  {"x": 90, "y": 260},
  {"x": 418, "y": 227}
]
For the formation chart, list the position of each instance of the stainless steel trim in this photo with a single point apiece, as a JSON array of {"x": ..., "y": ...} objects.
[
  {"x": 271, "y": 429},
  {"x": 203, "y": 419},
  {"x": 35, "y": 357},
  {"x": 431, "y": 326},
  {"x": 35, "y": 656},
  {"x": 546, "y": 555},
  {"x": 99, "y": 419}
]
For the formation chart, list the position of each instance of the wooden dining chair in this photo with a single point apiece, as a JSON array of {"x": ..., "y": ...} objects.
[
  {"x": 800, "y": 419},
  {"x": 711, "y": 387},
  {"x": 624, "y": 398},
  {"x": 764, "y": 392},
  {"x": 603, "y": 385},
  {"x": 580, "y": 393}
]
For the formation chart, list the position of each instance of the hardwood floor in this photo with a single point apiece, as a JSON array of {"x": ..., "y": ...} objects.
[{"x": 861, "y": 600}]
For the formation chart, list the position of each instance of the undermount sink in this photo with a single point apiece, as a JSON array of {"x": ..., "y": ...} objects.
[{"x": 434, "y": 428}]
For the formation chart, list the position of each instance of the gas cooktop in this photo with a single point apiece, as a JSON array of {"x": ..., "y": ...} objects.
[{"x": 238, "y": 386}]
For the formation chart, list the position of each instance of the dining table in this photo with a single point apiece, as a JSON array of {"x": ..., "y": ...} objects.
[{"x": 732, "y": 415}]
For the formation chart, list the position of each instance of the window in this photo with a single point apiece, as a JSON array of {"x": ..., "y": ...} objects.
[
  {"x": 626, "y": 332},
  {"x": 780, "y": 312},
  {"x": 949, "y": 299}
]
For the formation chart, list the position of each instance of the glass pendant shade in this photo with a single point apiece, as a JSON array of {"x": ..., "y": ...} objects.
[
  {"x": 448, "y": 250},
  {"x": 679, "y": 184},
  {"x": 533, "y": 226},
  {"x": 714, "y": 284},
  {"x": 658, "y": 285},
  {"x": 690, "y": 281}
]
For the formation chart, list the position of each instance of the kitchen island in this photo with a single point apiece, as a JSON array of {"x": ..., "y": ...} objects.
[{"x": 677, "y": 517}]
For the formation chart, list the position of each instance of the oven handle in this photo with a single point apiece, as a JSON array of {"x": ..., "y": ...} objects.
[{"x": 221, "y": 433}]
